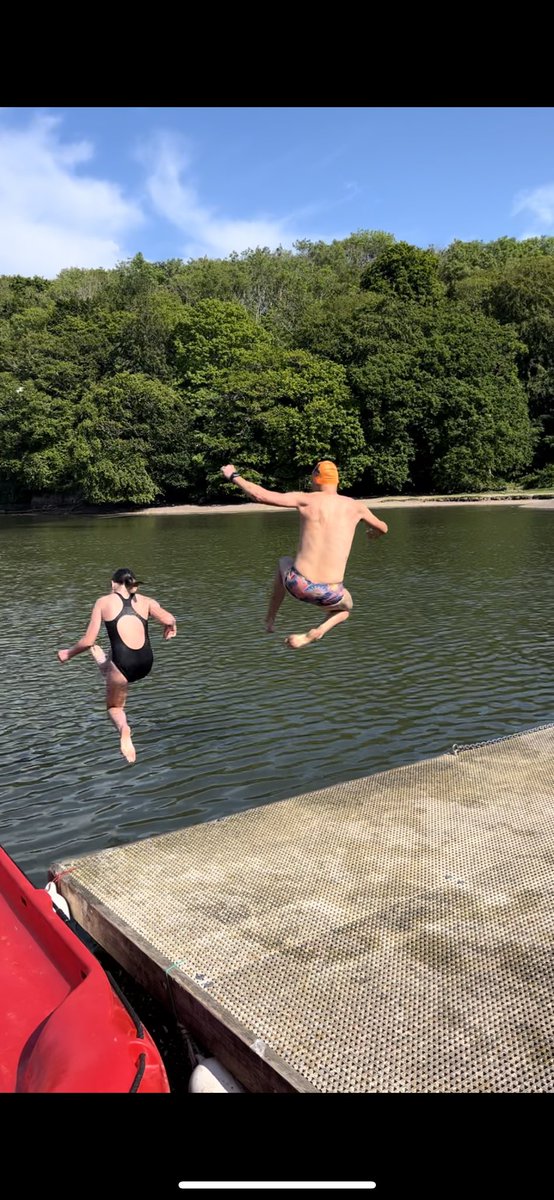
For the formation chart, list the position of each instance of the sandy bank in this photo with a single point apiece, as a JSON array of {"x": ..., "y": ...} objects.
[{"x": 520, "y": 501}]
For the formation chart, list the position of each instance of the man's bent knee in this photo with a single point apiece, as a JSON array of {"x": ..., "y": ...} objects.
[
  {"x": 284, "y": 565},
  {"x": 345, "y": 605}
]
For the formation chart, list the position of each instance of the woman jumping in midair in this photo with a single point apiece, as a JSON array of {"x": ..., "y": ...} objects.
[{"x": 125, "y": 616}]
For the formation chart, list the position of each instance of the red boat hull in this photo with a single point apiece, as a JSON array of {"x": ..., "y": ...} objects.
[{"x": 62, "y": 1026}]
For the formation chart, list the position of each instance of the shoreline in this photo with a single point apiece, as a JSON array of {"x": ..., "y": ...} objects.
[
  {"x": 536, "y": 499},
  {"x": 519, "y": 500}
]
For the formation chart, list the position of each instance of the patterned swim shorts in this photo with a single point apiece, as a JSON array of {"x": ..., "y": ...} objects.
[{"x": 325, "y": 594}]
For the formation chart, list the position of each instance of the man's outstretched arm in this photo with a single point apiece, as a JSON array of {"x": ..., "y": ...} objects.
[
  {"x": 375, "y": 526},
  {"x": 260, "y": 494}
]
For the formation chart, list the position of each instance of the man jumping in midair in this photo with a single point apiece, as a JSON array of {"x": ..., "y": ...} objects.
[{"x": 327, "y": 526}]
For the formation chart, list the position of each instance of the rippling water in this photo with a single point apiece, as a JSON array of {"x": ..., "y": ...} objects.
[{"x": 450, "y": 641}]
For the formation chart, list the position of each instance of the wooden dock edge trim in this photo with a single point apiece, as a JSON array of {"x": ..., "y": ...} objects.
[
  {"x": 133, "y": 952},
  {"x": 216, "y": 1029}
]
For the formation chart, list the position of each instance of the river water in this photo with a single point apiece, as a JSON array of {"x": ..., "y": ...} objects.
[{"x": 450, "y": 642}]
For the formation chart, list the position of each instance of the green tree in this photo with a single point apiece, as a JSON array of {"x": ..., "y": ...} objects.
[
  {"x": 128, "y": 429},
  {"x": 461, "y": 260},
  {"x": 35, "y": 441},
  {"x": 524, "y": 297},
  {"x": 18, "y": 293},
  {"x": 80, "y": 289},
  {"x": 213, "y": 335},
  {"x": 429, "y": 380},
  {"x": 145, "y": 342},
  {"x": 415, "y": 369},
  {"x": 275, "y": 411},
  {"x": 410, "y": 273}
]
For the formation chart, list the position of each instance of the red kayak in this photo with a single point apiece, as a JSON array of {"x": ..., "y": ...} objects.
[{"x": 63, "y": 1028}]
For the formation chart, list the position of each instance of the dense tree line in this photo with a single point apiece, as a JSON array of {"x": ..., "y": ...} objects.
[{"x": 417, "y": 370}]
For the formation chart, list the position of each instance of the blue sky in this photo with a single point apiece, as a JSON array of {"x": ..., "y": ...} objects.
[{"x": 88, "y": 187}]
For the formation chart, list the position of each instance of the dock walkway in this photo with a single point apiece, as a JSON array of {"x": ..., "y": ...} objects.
[{"x": 390, "y": 934}]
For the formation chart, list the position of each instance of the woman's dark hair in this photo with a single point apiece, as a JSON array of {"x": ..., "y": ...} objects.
[{"x": 125, "y": 576}]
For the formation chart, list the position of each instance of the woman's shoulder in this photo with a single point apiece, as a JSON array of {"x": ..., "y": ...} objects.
[{"x": 106, "y": 603}]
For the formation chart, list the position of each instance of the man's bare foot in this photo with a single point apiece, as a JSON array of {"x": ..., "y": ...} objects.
[
  {"x": 98, "y": 655},
  {"x": 297, "y": 640},
  {"x": 270, "y": 626},
  {"x": 126, "y": 746}
]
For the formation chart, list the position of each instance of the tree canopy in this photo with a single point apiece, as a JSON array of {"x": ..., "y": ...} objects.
[{"x": 416, "y": 370}]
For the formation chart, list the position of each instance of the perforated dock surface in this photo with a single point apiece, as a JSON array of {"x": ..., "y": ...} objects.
[{"x": 392, "y": 934}]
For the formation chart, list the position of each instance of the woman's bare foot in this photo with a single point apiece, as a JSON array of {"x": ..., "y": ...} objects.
[
  {"x": 297, "y": 640},
  {"x": 126, "y": 745},
  {"x": 98, "y": 656}
]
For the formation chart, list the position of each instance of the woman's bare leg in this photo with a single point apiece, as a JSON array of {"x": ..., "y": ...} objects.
[
  {"x": 116, "y": 696},
  {"x": 102, "y": 661}
]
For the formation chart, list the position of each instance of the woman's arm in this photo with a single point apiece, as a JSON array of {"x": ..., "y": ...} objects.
[
  {"x": 88, "y": 638},
  {"x": 164, "y": 617}
]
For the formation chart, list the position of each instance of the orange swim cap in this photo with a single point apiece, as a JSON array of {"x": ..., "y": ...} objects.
[{"x": 326, "y": 472}]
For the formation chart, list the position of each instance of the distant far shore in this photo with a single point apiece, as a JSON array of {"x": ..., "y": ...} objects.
[{"x": 529, "y": 500}]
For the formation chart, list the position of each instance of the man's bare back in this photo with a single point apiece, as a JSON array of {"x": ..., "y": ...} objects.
[{"x": 327, "y": 526}]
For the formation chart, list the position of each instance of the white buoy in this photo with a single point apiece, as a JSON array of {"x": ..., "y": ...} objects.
[
  {"x": 57, "y": 899},
  {"x": 210, "y": 1076}
]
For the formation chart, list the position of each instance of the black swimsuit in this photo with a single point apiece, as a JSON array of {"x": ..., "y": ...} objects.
[{"x": 133, "y": 664}]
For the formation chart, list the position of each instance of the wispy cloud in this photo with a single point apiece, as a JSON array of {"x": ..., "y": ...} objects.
[
  {"x": 206, "y": 231},
  {"x": 57, "y": 211},
  {"x": 540, "y": 203},
  {"x": 51, "y": 215}
]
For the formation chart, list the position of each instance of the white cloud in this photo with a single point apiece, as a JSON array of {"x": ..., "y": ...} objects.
[
  {"x": 540, "y": 203},
  {"x": 51, "y": 216},
  {"x": 55, "y": 212},
  {"x": 206, "y": 231}
]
